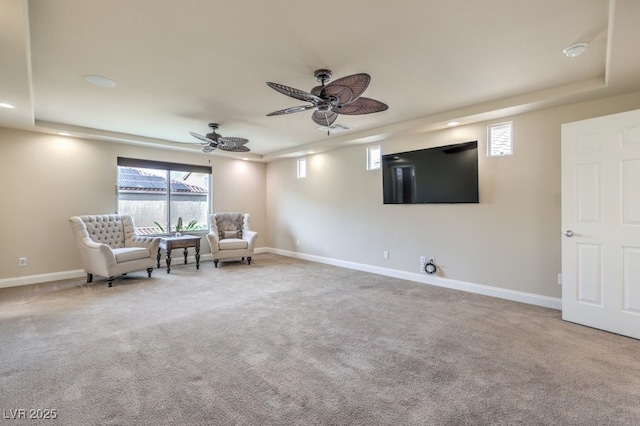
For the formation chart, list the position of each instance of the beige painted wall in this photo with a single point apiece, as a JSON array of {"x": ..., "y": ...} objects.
[
  {"x": 511, "y": 239},
  {"x": 46, "y": 179}
]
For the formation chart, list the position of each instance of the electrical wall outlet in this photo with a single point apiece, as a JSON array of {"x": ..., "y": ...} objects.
[
  {"x": 559, "y": 279},
  {"x": 22, "y": 261},
  {"x": 385, "y": 254},
  {"x": 423, "y": 261},
  {"x": 298, "y": 243}
]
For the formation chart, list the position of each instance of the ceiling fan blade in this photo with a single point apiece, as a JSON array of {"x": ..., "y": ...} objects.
[
  {"x": 240, "y": 148},
  {"x": 240, "y": 141},
  {"x": 291, "y": 110},
  {"x": 201, "y": 143},
  {"x": 231, "y": 142},
  {"x": 294, "y": 93},
  {"x": 347, "y": 89},
  {"x": 361, "y": 106},
  {"x": 226, "y": 145},
  {"x": 202, "y": 138},
  {"x": 324, "y": 118}
]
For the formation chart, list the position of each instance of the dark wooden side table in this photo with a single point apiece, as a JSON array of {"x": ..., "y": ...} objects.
[{"x": 184, "y": 242}]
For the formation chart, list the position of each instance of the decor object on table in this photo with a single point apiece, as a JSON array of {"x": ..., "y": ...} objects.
[
  {"x": 230, "y": 236},
  {"x": 109, "y": 246}
]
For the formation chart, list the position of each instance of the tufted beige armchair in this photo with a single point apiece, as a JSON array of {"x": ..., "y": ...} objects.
[
  {"x": 109, "y": 246},
  {"x": 230, "y": 236}
]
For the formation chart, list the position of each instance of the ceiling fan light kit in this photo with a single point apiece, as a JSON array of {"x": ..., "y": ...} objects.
[{"x": 342, "y": 96}]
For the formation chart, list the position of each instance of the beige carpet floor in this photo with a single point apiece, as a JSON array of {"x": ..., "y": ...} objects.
[{"x": 290, "y": 342}]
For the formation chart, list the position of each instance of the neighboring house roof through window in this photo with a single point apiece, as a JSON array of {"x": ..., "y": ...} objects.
[{"x": 138, "y": 180}]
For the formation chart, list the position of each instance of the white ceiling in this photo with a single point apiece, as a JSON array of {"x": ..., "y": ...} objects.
[{"x": 179, "y": 65}]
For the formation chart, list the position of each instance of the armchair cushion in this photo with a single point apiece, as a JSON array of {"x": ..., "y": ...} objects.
[
  {"x": 229, "y": 222},
  {"x": 127, "y": 254},
  {"x": 231, "y": 234},
  {"x": 233, "y": 244}
]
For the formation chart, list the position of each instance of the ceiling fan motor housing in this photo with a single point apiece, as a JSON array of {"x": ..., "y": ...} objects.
[{"x": 213, "y": 135}]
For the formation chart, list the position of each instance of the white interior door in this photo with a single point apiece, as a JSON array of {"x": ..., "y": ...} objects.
[{"x": 601, "y": 223}]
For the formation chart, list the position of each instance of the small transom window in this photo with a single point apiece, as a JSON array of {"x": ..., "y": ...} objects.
[
  {"x": 302, "y": 168},
  {"x": 500, "y": 139},
  {"x": 373, "y": 157}
]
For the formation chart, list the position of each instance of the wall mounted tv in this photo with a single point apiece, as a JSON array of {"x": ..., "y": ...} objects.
[{"x": 445, "y": 174}]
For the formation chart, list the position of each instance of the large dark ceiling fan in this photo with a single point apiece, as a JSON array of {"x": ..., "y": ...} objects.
[
  {"x": 341, "y": 96},
  {"x": 212, "y": 141}
]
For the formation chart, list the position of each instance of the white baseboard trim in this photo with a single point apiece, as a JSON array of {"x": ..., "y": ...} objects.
[
  {"x": 502, "y": 293},
  {"x": 41, "y": 278},
  {"x": 516, "y": 296},
  {"x": 65, "y": 275}
]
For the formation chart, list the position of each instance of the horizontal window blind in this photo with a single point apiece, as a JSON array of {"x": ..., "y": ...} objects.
[{"x": 162, "y": 165}]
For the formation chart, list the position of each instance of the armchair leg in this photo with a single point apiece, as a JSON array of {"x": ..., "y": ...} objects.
[
  {"x": 89, "y": 278},
  {"x": 249, "y": 260},
  {"x": 215, "y": 262},
  {"x": 110, "y": 281},
  {"x": 149, "y": 271}
]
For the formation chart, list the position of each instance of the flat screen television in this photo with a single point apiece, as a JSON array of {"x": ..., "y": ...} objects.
[{"x": 445, "y": 174}]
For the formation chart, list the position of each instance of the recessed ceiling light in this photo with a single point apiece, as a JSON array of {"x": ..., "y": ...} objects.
[
  {"x": 453, "y": 123},
  {"x": 99, "y": 80},
  {"x": 575, "y": 50},
  {"x": 4, "y": 105},
  {"x": 64, "y": 134}
]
